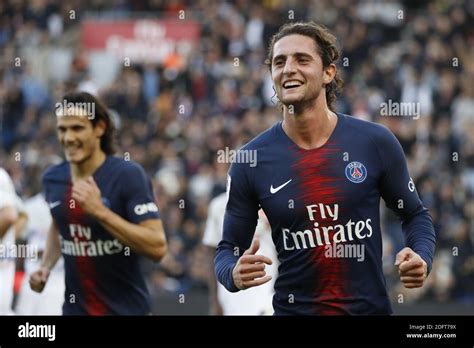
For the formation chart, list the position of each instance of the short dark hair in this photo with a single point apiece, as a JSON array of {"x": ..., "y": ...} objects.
[
  {"x": 325, "y": 45},
  {"x": 107, "y": 141}
]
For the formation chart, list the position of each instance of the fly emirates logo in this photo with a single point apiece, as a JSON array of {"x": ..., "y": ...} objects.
[
  {"x": 330, "y": 233},
  {"x": 82, "y": 245}
]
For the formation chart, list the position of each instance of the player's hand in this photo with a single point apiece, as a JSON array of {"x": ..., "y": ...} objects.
[
  {"x": 249, "y": 271},
  {"x": 412, "y": 269},
  {"x": 87, "y": 194},
  {"x": 38, "y": 279}
]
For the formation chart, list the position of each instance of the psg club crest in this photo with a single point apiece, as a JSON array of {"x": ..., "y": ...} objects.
[{"x": 356, "y": 172}]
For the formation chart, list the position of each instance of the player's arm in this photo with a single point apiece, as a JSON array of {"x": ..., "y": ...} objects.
[
  {"x": 20, "y": 224},
  {"x": 51, "y": 255},
  {"x": 146, "y": 238},
  {"x": 8, "y": 203},
  {"x": 398, "y": 191},
  {"x": 8, "y": 216},
  {"x": 236, "y": 265},
  {"x": 142, "y": 231},
  {"x": 22, "y": 220}
]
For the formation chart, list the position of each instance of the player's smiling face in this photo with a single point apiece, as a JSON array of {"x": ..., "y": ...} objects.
[
  {"x": 78, "y": 137},
  {"x": 297, "y": 69}
]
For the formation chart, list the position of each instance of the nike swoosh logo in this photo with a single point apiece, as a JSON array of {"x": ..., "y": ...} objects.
[
  {"x": 54, "y": 204},
  {"x": 276, "y": 189}
]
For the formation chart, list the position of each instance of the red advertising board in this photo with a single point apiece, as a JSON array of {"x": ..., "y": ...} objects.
[{"x": 140, "y": 40}]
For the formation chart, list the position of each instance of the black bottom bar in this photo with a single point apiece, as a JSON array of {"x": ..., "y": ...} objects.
[{"x": 289, "y": 331}]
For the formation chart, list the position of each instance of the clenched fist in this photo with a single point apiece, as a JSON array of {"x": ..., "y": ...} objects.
[
  {"x": 87, "y": 194},
  {"x": 412, "y": 269},
  {"x": 38, "y": 279}
]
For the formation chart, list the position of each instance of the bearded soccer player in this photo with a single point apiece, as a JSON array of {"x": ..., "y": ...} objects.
[
  {"x": 319, "y": 179},
  {"x": 104, "y": 217}
]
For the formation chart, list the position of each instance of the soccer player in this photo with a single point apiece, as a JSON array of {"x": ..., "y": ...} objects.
[
  {"x": 12, "y": 217},
  {"x": 51, "y": 299},
  {"x": 104, "y": 217},
  {"x": 255, "y": 301},
  {"x": 319, "y": 179}
]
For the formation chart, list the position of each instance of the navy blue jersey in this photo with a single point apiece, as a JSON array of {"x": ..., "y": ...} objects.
[
  {"x": 102, "y": 275},
  {"x": 323, "y": 208}
]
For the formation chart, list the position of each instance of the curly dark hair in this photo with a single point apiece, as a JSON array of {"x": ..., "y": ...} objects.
[{"x": 325, "y": 45}]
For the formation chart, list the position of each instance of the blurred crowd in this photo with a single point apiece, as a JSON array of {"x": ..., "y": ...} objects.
[{"x": 173, "y": 118}]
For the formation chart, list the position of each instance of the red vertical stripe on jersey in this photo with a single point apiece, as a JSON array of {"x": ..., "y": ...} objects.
[
  {"x": 88, "y": 278},
  {"x": 320, "y": 184}
]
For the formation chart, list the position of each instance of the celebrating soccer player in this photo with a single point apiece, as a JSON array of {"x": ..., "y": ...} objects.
[
  {"x": 319, "y": 179},
  {"x": 104, "y": 216}
]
